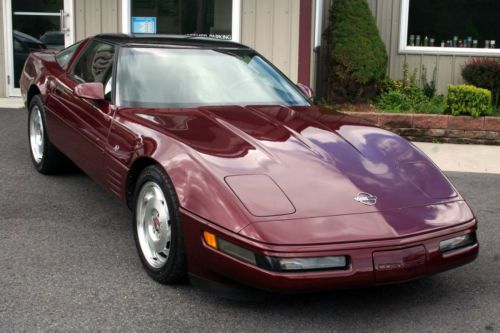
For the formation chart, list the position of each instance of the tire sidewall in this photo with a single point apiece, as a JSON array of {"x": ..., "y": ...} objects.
[
  {"x": 37, "y": 101},
  {"x": 168, "y": 272}
]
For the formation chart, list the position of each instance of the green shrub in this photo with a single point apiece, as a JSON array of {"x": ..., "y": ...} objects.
[
  {"x": 357, "y": 58},
  {"x": 468, "y": 100},
  {"x": 429, "y": 87},
  {"x": 435, "y": 105},
  {"x": 484, "y": 73},
  {"x": 393, "y": 91},
  {"x": 394, "y": 101}
]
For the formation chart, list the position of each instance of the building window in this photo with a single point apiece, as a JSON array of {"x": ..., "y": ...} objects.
[
  {"x": 207, "y": 18},
  {"x": 450, "y": 27}
]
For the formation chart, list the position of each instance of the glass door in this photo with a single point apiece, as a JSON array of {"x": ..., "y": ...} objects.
[{"x": 35, "y": 25}]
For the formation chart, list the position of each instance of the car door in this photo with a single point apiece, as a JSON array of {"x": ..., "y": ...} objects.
[{"x": 85, "y": 123}]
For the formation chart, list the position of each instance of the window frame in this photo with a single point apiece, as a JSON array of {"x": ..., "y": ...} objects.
[
  {"x": 436, "y": 50},
  {"x": 126, "y": 16}
]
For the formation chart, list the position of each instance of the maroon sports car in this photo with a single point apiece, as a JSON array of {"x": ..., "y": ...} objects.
[{"x": 233, "y": 175}]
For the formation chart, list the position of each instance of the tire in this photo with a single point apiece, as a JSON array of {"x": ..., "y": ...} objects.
[
  {"x": 45, "y": 157},
  {"x": 157, "y": 227}
]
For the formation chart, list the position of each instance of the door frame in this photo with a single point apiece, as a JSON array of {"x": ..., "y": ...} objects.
[{"x": 69, "y": 25}]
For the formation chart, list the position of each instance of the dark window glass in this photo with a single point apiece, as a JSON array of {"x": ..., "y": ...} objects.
[
  {"x": 454, "y": 23},
  {"x": 163, "y": 77},
  {"x": 31, "y": 19},
  {"x": 95, "y": 64},
  {"x": 197, "y": 17},
  {"x": 18, "y": 46},
  {"x": 65, "y": 55}
]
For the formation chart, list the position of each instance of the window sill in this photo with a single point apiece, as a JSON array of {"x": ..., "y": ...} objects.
[{"x": 450, "y": 51}]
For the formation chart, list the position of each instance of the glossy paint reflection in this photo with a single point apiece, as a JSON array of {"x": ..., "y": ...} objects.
[{"x": 321, "y": 161}]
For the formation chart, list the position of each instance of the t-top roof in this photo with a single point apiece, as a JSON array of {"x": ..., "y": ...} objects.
[{"x": 165, "y": 40}]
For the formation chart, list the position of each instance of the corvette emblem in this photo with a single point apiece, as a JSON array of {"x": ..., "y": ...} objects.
[{"x": 366, "y": 199}]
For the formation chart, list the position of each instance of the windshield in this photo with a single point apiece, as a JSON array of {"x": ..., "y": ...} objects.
[{"x": 162, "y": 77}]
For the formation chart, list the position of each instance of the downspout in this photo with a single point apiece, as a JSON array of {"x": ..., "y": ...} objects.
[
  {"x": 318, "y": 24},
  {"x": 318, "y": 52}
]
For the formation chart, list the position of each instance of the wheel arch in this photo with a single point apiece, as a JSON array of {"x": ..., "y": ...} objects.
[
  {"x": 32, "y": 92},
  {"x": 135, "y": 170}
]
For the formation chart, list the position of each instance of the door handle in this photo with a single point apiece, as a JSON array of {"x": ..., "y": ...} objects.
[
  {"x": 62, "y": 16},
  {"x": 61, "y": 20}
]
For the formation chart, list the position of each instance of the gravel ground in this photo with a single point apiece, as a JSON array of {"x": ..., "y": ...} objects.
[{"x": 68, "y": 263}]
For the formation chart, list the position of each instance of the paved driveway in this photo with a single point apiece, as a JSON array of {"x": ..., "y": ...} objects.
[{"x": 68, "y": 263}]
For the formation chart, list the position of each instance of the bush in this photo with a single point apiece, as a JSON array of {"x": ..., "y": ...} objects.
[
  {"x": 435, "y": 105},
  {"x": 357, "y": 57},
  {"x": 394, "y": 101},
  {"x": 468, "y": 100},
  {"x": 393, "y": 92},
  {"x": 484, "y": 73},
  {"x": 429, "y": 87}
]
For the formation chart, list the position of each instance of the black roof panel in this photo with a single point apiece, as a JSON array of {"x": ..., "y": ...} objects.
[{"x": 165, "y": 40}]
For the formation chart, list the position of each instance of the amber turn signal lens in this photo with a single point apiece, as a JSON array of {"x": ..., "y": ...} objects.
[{"x": 210, "y": 239}]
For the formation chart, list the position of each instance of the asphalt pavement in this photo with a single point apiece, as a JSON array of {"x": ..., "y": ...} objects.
[{"x": 68, "y": 263}]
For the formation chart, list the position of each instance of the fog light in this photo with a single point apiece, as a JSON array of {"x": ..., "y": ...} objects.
[
  {"x": 457, "y": 242},
  {"x": 299, "y": 264},
  {"x": 236, "y": 251}
]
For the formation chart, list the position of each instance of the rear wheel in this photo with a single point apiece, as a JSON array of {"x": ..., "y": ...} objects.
[
  {"x": 46, "y": 158},
  {"x": 157, "y": 227}
]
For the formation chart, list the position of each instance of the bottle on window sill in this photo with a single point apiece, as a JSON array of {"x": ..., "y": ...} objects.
[
  {"x": 487, "y": 44},
  {"x": 417, "y": 40},
  {"x": 432, "y": 42},
  {"x": 412, "y": 40},
  {"x": 492, "y": 44},
  {"x": 475, "y": 43},
  {"x": 443, "y": 43},
  {"x": 455, "y": 41}
]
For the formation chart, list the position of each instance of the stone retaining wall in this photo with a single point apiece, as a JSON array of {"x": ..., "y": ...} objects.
[{"x": 440, "y": 128}]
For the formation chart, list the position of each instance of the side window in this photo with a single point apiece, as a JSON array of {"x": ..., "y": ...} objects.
[
  {"x": 65, "y": 55},
  {"x": 95, "y": 64}
]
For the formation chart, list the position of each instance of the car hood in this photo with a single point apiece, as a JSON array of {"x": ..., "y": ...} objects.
[{"x": 281, "y": 163}]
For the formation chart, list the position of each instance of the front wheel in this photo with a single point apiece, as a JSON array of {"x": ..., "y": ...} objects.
[
  {"x": 157, "y": 227},
  {"x": 46, "y": 158}
]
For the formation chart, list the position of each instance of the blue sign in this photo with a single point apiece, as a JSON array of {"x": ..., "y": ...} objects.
[{"x": 143, "y": 25}]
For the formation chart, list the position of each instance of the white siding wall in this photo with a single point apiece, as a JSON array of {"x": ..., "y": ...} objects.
[{"x": 272, "y": 28}]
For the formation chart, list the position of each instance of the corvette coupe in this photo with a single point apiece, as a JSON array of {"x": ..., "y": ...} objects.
[{"x": 232, "y": 174}]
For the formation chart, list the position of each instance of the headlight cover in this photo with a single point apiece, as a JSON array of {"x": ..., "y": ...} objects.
[
  {"x": 457, "y": 242},
  {"x": 317, "y": 263},
  {"x": 274, "y": 264}
]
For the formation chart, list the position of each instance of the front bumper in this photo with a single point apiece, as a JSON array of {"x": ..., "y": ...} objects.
[{"x": 370, "y": 263}]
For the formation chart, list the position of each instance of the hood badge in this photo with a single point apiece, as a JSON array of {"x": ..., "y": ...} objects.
[{"x": 366, "y": 199}]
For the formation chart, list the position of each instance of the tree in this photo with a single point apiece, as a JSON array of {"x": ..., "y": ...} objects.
[{"x": 357, "y": 58}]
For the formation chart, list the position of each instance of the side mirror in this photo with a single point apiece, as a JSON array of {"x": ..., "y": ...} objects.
[
  {"x": 306, "y": 90},
  {"x": 91, "y": 90}
]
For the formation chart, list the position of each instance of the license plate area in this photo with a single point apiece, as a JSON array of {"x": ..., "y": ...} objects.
[{"x": 399, "y": 265}]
